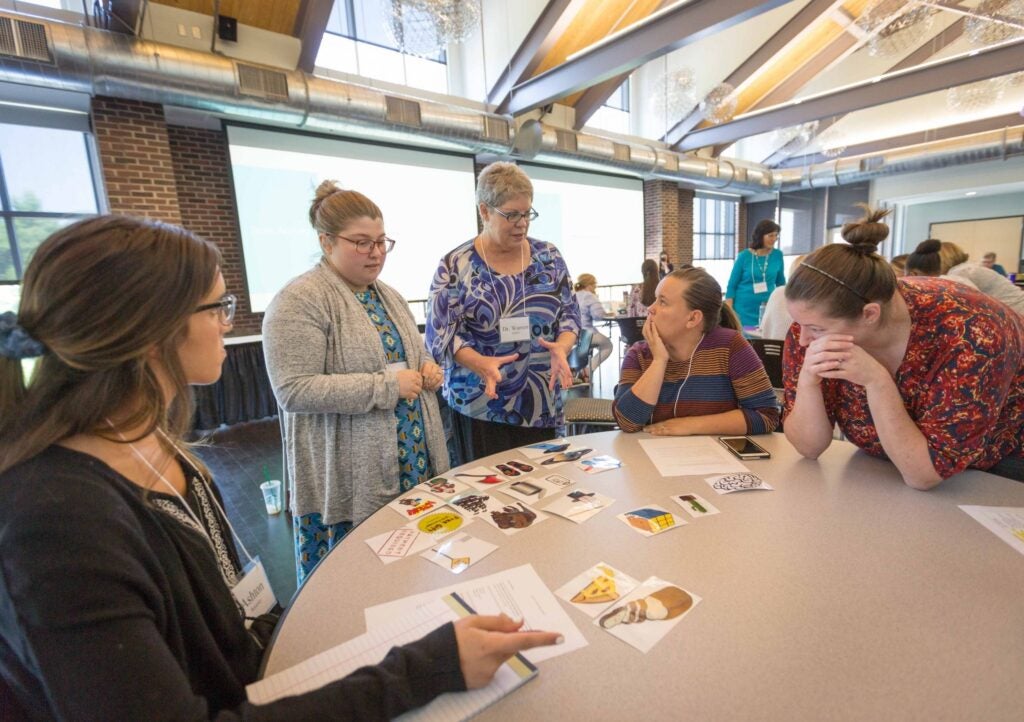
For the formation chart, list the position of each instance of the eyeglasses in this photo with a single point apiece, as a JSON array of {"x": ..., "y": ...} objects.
[
  {"x": 226, "y": 306},
  {"x": 514, "y": 217},
  {"x": 384, "y": 245}
]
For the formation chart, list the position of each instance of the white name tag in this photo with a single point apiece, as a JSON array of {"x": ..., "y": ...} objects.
[
  {"x": 760, "y": 287},
  {"x": 253, "y": 593},
  {"x": 514, "y": 328},
  {"x": 398, "y": 366}
]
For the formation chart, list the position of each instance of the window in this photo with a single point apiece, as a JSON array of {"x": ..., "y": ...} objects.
[
  {"x": 357, "y": 41},
  {"x": 614, "y": 114},
  {"x": 46, "y": 183},
  {"x": 714, "y": 228}
]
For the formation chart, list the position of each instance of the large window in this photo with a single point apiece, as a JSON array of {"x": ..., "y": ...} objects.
[
  {"x": 46, "y": 183},
  {"x": 614, "y": 114},
  {"x": 357, "y": 41},
  {"x": 714, "y": 228}
]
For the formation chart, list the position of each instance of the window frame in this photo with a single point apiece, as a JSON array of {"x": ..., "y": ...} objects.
[{"x": 723, "y": 241}]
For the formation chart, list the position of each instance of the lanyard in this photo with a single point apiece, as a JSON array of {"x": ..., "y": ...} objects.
[
  {"x": 521, "y": 274},
  {"x": 764, "y": 267}
]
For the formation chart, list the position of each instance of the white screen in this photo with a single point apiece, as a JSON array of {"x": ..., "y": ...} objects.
[
  {"x": 427, "y": 200},
  {"x": 597, "y": 221}
]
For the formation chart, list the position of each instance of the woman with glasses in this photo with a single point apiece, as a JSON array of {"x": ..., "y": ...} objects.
[
  {"x": 502, "y": 319},
  {"x": 926, "y": 373},
  {"x": 353, "y": 379},
  {"x": 758, "y": 270},
  {"x": 120, "y": 579}
]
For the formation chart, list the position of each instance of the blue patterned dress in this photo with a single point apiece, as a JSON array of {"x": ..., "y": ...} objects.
[
  {"x": 468, "y": 300},
  {"x": 313, "y": 538}
]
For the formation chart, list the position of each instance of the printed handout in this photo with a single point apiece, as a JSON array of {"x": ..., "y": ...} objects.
[{"x": 690, "y": 456}]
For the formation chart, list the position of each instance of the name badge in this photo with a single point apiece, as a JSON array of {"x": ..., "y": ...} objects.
[
  {"x": 253, "y": 593},
  {"x": 398, "y": 366},
  {"x": 760, "y": 287},
  {"x": 514, "y": 328}
]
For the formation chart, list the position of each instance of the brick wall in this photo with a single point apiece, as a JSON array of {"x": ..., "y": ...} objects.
[
  {"x": 135, "y": 155},
  {"x": 202, "y": 171},
  {"x": 741, "y": 226},
  {"x": 668, "y": 221}
]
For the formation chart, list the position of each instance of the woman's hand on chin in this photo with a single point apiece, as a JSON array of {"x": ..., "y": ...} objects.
[{"x": 654, "y": 341}]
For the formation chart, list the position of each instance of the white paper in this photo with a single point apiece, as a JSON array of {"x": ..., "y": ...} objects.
[
  {"x": 1006, "y": 522},
  {"x": 690, "y": 456},
  {"x": 517, "y": 592}
]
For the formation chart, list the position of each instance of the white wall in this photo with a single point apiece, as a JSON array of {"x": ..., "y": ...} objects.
[{"x": 917, "y": 218}]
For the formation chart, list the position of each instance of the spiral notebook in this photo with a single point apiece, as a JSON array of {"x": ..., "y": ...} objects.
[{"x": 372, "y": 647}]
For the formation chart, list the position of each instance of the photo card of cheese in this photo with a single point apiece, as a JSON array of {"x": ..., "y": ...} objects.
[
  {"x": 596, "y": 589},
  {"x": 578, "y": 505},
  {"x": 443, "y": 487},
  {"x": 458, "y": 552},
  {"x": 480, "y": 477},
  {"x": 651, "y": 519},
  {"x": 415, "y": 503},
  {"x": 417, "y": 535},
  {"x": 645, "y": 615},
  {"x": 694, "y": 505},
  {"x": 536, "y": 488}
]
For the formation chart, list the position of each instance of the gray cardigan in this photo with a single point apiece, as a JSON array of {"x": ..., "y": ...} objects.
[{"x": 327, "y": 368}]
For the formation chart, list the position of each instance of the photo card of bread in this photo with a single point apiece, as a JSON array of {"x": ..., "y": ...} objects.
[
  {"x": 648, "y": 613},
  {"x": 596, "y": 589}
]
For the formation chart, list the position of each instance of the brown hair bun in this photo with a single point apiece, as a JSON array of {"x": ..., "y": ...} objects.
[
  {"x": 929, "y": 246},
  {"x": 865, "y": 235}
]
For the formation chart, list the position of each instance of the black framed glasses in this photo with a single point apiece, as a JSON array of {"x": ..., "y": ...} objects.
[
  {"x": 363, "y": 245},
  {"x": 226, "y": 306},
  {"x": 514, "y": 217}
]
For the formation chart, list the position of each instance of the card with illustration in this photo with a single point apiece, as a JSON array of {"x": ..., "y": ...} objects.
[
  {"x": 459, "y": 552},
  {"x": 596, "y": 589},
  {"x": 579, "y": 505},
  {"x": 513, "y": 518},
  {"x": 442, "y": 487},
  {"x": 514, "y": 469},
  {"x": 417, "y": 535},
  {"x": 573, "y": 453},
  {"x": 597, "y": 464},
  {"x": 695, "y": 506},
  {"x": 743, "y": 481},
  {"x": 536, "y": 488},
  {"x": 543, "y": 448},
  {"x": 474, "y": 503},
  {"x": 415, "y": 503},
  {"x": 651, "y": 519},
  {"x": 480, "y": 477},
  {"x": 649, "y": 612}
]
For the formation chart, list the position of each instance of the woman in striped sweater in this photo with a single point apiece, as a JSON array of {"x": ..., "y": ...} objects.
[{"x": 693, "y": 373}]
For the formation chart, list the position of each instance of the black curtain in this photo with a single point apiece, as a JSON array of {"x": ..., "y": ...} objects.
[
  {"x": 805, "y": 210},
  {"x": 242, "y": 394},
  {"x": 842, "y": 202}
]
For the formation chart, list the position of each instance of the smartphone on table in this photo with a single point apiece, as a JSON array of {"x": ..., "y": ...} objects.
[{"x": 744, "y": 447}]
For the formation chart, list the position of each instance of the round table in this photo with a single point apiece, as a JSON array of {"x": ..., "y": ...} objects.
[{"x": 842, "y": 594}]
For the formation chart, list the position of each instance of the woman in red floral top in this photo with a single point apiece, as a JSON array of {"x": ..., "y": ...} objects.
[{"x": 925, "y": 372}]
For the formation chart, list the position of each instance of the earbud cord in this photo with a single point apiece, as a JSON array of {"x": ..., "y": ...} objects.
[{"x": 689, "y": 368}]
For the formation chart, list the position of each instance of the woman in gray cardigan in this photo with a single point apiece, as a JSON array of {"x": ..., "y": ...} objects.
[{"x": 353, "y": 379}]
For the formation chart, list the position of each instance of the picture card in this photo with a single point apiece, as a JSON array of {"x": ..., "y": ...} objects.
[
  {"x": 459, "y": 552},
  {"x": 417, "y": 535},
  {"x": 513, "y": 518},
  {"x": 596, "y": 589},
  {"x": 442, "y": 487},
  {"x": 543, "y": 448},
  {"x": 536, "y": 488},
  {"x": 648, "y": 613},
  {"x": 570, "y": 455},
  {"x": 415, "y": 503},
  {"x": 695, "y": 506},
  {"x": 514, "y": 468},
  {"x": 651, "y": 519},
  {"x": 741, "y": 481},
  {"x": 579, "y": 505},
  {"x": 474, "y": 503},
  {"x": 597, "y": 464},
  {"x": 480, "y": 477}
]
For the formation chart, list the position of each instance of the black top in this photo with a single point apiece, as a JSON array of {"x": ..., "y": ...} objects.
[{"x": 113, "y": 609}]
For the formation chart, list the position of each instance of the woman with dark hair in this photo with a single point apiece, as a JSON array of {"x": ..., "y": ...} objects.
[
  {"x": 924, "y": 372},
  {"x": 665, "y": 266},
  {"x": 756, "y": 273},
  {"x": 642, "y": 295},
  {"x": 946, "y": 259},
  {"x": 691, "y": 336},
  {"x": 121, "y": 583}
]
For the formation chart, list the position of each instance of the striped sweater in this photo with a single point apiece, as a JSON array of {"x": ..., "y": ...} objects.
[{"x": 727, "y": 374}]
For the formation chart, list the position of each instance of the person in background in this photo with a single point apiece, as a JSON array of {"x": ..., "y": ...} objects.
[
  {"x": 693, "y": 373},
  {"x": 947, "y": 260},
  {"x": 642, "y": 294},
  {"x": 899, "y": 264},
  {"x": 353, "y": 379},
  {"x": 989, "y": 261},
  {"x": 776, "y": 321},
  {"x": 756, "y": 273},
  {"x": 591, "y": 309},
  {"x": 926, "y": 373},
  {"x": 132, "y": 616},
  {"x": 501, "y": 320},
  {"x": 665, "y": 266}
]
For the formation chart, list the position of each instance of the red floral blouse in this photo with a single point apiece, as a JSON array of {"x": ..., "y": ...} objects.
[{"x": 962, "y": 379}]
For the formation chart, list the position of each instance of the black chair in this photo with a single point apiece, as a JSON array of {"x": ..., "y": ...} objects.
[
  {"x": 631, "y": 329},
  {"x": 770, "y": 352},
  {"x": 579, "y": 361}
]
